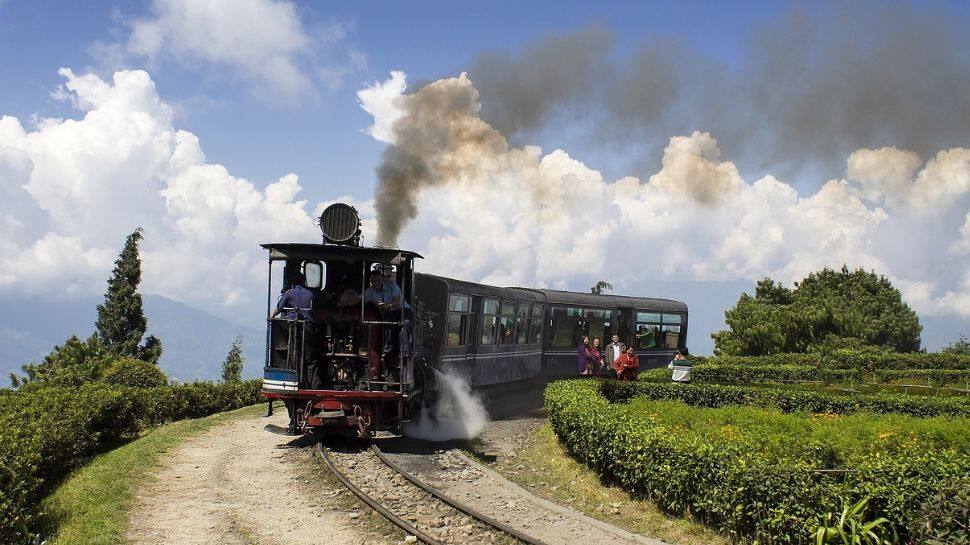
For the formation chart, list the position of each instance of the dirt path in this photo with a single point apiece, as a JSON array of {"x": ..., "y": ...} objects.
[{"x": 240, "y": 485}]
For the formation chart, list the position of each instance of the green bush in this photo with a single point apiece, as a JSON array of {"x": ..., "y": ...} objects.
[
  {"x": 712, "y": 370},
  {"x": 133, "y": 372},
  {"x": 862, "y": 360},
  {"x": 758, "y": 474},
  {"x": 786, "y": 399},
  {"x": 45, "y": 432}
]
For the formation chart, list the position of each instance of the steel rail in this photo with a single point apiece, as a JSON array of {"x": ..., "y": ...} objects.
[
  {"x": 475, "y": 514},
  {"x": 364, "y": 497}
]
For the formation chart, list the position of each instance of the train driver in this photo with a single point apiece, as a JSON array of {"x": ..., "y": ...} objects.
[{"x": 298, "y": 300}]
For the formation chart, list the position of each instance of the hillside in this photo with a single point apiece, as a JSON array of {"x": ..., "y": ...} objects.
[{"x": 195, "y": 342}]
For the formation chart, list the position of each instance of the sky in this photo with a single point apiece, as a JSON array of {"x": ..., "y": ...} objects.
[{"x": 718, "y": 141}]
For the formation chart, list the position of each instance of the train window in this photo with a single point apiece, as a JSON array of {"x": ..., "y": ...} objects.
[
  {"x": 506, "y": 323},
  {"x": 647, "y": 337},
  {"x": 598, "y": 325},
  {"x": 671, "y": 336},
  {"x": 524, "y": 324},
  {"x": 648, "y": 331},
  {"x": 535, "y": 336},
  {"x": 459, "y": 303},
  {"x": 565, "y": 329},
  {"x": 648, "y": 317},
  {"x": 672, "y": 319},
  {"x": 458, "y": 319},
  {"x": 313, "y": 272},
  {"x": 489, "y": 321}
]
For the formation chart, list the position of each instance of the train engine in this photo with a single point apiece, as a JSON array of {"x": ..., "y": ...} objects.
[{"x": 339, "y": 332}]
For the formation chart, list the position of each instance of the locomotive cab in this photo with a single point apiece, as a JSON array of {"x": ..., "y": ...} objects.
[{"x": 340, "y": 357}]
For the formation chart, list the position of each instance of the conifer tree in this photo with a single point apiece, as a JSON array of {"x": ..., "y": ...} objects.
[
  {"x": 121, "y": 321},
  {"x": 233, "y": 366}
]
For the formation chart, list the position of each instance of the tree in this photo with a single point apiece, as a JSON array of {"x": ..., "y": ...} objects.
[
  {"x": 71, "y": 364},
  {"x": 598, "y": 288},
  {"x": 121, "y": 321},
  {"x": 233, "y": 366},
  {"x": 844, "y": 308},
  {"x": 961, "y": 346}
]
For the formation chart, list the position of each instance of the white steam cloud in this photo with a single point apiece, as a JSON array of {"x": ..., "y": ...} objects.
[
  {"x": 458, "y": 414},
  {"x": 482, "y": 209}
]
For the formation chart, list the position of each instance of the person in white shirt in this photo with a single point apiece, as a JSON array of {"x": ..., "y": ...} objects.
[{"x": 613, "y": 352}]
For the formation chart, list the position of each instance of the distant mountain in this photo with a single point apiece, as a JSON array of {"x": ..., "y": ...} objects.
[{"x": 194, "y": 342}]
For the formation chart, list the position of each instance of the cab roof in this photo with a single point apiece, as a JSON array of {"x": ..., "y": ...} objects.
[{"x": 304, "y": 251}]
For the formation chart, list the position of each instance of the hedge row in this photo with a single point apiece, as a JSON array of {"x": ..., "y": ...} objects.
[
  {"x": 704, "y": 371},
  {"x": 47, "y": 432},
  {"x": 863, "y": 360},
  {"x": 753, "y": 473},
  {"x": 787, "y": 400}
]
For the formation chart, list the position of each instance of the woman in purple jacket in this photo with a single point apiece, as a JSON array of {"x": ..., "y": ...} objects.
[{"x": 585, "y": 357}]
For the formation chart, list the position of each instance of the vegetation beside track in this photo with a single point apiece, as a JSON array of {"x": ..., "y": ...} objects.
[
  {"x": 46, "y": 432},
  {"x": 758, "y": 474},
  {"x": 787, "y": 399},
  {"x": 541, "y": 465}
]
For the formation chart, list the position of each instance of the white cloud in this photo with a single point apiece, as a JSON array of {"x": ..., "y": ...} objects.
[
  {"x": 73, "y": 189},
  {"x": 381, "y": 101},
  {"x": 263, "y": 42},
  {"x": 525, "y": 217}
]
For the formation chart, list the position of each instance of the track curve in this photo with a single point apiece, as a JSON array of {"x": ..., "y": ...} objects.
[{"x": 511, "y": 533}]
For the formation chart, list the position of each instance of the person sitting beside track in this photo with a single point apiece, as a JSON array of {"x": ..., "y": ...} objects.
[
  {"x": 627, "y": 364},
  {"x": 680, "y": 366}
]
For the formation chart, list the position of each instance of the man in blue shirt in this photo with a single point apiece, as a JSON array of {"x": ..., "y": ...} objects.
[{"x": 298, "y": 301}]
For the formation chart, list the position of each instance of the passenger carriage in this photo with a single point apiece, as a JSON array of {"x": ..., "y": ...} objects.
[{"x": 354, "y": 368}]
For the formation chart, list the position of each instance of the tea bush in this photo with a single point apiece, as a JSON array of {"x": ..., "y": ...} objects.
[
  {"x": 754, "y": 473},
  {"x": 787, "y": 400},
  {"x": 47, "y": 432},
  {"x": 859, "y": 359},
  {"x": 712, "y": 370}
]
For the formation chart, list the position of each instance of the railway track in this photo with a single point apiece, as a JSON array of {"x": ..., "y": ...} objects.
[{"x": 413, "y": 505}]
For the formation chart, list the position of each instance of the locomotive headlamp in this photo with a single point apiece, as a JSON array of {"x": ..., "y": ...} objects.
[{"x": 340, "y": 224}]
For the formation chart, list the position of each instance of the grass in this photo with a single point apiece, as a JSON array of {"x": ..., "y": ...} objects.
[
  {"x": 542, "y": 466},
  {"x": 92, "y": 505}
]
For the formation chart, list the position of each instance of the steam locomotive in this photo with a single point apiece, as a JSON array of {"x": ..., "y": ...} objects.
[{"x": 345, "y": 365}]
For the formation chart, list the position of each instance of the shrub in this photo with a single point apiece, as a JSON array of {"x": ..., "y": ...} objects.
[
  {"x": 712, "y": 370},
  {"x": 754, "y": 474},
  {"x": 862, "y": 360},
  {"x": 787, "y": 400},
  {"x": 45, "y": 432},
  {"x": 133, "y": 372}
]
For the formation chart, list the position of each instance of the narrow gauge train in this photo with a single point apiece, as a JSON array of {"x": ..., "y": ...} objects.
[{"x": 344, "y": 365}]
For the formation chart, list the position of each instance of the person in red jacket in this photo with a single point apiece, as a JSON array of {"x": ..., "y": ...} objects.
[{"x": 627, "y": 364}]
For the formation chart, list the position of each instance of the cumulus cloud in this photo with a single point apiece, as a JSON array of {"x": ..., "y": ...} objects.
[
  {"x": 73, "y": 189},
  {"x": 263, "y": 42},
  {"x": 482, "y": 209}
]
